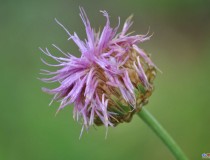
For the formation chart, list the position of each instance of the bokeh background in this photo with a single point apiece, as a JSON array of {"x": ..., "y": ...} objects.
[{"x": 180, "y": 47}]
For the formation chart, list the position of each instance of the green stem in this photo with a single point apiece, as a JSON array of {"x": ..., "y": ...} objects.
[{"x": 162, "y": 134}]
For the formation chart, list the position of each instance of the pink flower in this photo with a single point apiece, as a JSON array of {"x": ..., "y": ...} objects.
[{"x": 111, "y": 80}]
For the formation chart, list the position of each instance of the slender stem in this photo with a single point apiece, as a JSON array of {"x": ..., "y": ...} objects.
[{"x": 162, "y": 134}]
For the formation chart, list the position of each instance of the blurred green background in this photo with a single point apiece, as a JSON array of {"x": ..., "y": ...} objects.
[{"x": 180, "y": 47}]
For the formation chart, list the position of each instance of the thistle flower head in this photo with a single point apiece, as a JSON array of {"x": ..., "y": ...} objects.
[{"x": 111, "y": 80}]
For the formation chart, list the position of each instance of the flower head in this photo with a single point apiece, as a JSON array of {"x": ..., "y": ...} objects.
[{"x": 111, "y": 80}]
